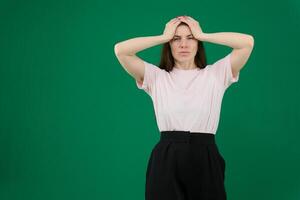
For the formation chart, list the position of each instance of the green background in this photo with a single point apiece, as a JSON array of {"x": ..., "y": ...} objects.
[{"x": 75, "y": 126}]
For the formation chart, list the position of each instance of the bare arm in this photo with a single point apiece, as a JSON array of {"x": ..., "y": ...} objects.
[
  {"x": 126, "y": 50},
  {"x": 231, "y": 39},
  {"x": 126, "y": 53},
  {"x": 134, "y": 45},
  {"x": 242, "y": 45}
]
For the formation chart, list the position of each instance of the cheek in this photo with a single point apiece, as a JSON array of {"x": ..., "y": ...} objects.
[
  {"x": 172, "y": 47},
  {"x": 196, "y": 48}
]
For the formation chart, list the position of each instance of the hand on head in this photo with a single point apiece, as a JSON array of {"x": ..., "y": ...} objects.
[{"x": 171, "y": 26}]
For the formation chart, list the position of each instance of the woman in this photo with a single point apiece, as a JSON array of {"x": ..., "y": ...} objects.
[{"x": 187, "y": 95}]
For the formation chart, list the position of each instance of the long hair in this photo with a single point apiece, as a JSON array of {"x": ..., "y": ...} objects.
[{"x": 167, "y": 60}]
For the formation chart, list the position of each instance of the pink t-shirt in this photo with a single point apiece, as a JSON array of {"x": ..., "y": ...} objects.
[{"x": 188, "y": 100}]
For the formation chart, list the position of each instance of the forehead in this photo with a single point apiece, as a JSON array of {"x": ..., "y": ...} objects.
[{"x": 182, "y": 30}]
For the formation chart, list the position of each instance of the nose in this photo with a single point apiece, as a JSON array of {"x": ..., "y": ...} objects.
[{"x": 182, "y": 43}]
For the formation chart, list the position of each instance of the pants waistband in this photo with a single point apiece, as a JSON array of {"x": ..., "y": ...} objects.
[{"x": 188, "y": 137}]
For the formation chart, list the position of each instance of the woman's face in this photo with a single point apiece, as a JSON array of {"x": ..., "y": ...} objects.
[{"x": 183, "y": 41}]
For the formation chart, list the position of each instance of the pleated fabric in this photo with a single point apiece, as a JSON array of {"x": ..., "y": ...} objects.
[{"x": 185, "y": 165}]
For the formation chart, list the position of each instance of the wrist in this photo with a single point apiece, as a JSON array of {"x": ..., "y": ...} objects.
[
  {"x": 165, "y": 38},
  {"x": 202, "y": 36}
]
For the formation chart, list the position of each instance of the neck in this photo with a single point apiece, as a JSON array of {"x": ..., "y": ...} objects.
[{"x": 185, "y": 65}]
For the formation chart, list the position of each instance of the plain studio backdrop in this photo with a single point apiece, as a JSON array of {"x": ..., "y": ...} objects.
[{"x": 75, "y": 126}]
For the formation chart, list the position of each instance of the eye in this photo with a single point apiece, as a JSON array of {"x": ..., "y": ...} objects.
[{"x": 189, "y": 38}]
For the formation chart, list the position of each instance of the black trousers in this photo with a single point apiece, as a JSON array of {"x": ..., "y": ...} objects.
[{"x": 185, "y": 165}]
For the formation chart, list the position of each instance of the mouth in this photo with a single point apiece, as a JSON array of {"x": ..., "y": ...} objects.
[{"x": 184, "y": 52}]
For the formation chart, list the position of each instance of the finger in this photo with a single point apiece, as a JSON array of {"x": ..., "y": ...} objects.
[
  {"x": 188, "y": 17},
  {"x": 191, "y": 19},
  {"x": 177, "y": 20},
  {"x": 184, "y": 20},
  {"x": 172, "y": 20}
]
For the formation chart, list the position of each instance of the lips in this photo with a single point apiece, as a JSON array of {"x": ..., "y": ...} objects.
[{"x": 184, "y": 53}]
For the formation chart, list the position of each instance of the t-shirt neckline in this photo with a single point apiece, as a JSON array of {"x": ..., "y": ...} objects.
[{"x": 186, "y": 70}]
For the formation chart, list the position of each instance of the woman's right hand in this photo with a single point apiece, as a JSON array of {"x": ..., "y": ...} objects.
[{"x": 170, "y": 28}]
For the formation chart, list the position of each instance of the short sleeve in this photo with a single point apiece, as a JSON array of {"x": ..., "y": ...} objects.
[
  {"x": 223, "y": 71},
  {"x": 151, "y": 73}
]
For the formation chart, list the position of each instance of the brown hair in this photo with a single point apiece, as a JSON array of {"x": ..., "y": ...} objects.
[{"x": 167, "y": 60}]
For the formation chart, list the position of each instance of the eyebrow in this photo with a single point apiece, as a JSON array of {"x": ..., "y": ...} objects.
[{"x": 186, "y": 36}]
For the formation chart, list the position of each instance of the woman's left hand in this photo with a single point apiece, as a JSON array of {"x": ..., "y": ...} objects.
[{"x": 194, "y": 26}]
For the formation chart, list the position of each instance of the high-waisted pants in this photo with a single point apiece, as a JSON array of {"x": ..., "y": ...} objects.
[{"x": 185, "y": 165}]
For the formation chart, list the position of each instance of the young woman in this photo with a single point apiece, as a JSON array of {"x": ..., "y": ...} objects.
[{"x": 187, "y": 95}]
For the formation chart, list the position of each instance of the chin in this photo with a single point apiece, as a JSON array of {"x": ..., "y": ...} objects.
[{"x": 184, "y": 58}]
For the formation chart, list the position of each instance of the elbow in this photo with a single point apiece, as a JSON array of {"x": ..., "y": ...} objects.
[
  {"x": 250, "y": 41},
  {"x": 116, "y": 49}
]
